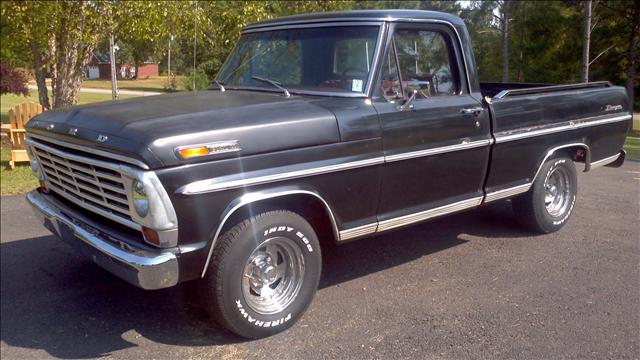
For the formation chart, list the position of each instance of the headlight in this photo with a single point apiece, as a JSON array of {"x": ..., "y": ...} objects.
[
  {"x": 35, "y": 166},
  {"x": 151, "y": 208},
  {"x": 140, "y": 200}
]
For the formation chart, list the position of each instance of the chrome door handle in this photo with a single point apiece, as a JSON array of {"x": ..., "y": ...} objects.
[{"x": 472, "y": 111}]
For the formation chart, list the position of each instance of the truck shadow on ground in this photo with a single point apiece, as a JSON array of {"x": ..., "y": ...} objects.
[{"x": 57, "y": 301}]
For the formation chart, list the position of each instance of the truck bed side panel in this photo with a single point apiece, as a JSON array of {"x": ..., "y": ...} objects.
[{"x": 527, "y": 127}]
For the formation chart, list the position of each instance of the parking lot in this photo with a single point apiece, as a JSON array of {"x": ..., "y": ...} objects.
[{"x": 472, "y": 285}]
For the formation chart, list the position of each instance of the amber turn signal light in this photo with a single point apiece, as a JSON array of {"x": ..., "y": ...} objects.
[
  {"x": 186, "y": 153},
  {"x": 151, "y": 236}
]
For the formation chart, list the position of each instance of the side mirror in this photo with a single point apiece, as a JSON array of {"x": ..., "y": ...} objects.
[{"x": 408, "y": 104}]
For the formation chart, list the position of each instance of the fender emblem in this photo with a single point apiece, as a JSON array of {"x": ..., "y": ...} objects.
[{"x": 102, "y": 138}]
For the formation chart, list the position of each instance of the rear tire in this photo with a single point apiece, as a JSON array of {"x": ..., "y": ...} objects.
[
  {"x": 547, "y": 206},
  {"x": 263, "y": 274}
]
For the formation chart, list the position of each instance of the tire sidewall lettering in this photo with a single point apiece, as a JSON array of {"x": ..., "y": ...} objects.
[
  {"x": 256, "y": 321},
  {"x": 288, "y": 231}
]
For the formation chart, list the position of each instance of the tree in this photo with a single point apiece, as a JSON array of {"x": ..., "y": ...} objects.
[
  {"x": 632, "y": 52},
  {"x": 586, "y": 39},
  {"x": 60, "y": 37},
  {"x": 504, "y": 21}
]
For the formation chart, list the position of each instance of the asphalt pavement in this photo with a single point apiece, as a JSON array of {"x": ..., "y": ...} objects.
[{"x": 471, "y": 285}]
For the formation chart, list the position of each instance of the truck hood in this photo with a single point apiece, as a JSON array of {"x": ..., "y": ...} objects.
[{"x": 150, "y": 128}]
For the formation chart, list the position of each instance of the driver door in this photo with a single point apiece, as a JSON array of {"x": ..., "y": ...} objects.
[{"x": 436, "y": 150}]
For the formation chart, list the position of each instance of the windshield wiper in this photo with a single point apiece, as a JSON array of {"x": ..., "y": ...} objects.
[
  {"x": 274, "y": 83},
  {"x": 220, "y": 83}
]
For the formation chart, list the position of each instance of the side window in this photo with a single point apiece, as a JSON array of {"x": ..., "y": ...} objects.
[
  {"x": 390, "y": 80},
  {"x": 426, "y": 63}
]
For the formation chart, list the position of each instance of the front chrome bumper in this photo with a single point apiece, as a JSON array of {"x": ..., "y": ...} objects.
[{"x": 143, "y": 268}]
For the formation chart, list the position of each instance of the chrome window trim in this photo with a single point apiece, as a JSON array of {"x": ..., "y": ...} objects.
[
  {"x": 523, "y": 133},
  {"x": 455, "y": 30},
  {"x": 428, "y": 214},
  {"x": 438, "y": 150},
  {"x": 89, "y": 150},
  {"x": 382, "y": 29},
  {"x": 605, "y": 161},
  {"x": 249, "y": 198},
  {"x": 358, "y": 231}
]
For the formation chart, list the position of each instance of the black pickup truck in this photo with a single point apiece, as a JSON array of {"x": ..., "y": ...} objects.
[{"x": 322, "y": 128}]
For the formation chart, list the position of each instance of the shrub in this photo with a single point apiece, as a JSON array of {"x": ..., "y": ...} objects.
[
  {"x": 13, "y": 80},
  {"x": 201, "y": 80},
  {"x": 171, "y": 84}
]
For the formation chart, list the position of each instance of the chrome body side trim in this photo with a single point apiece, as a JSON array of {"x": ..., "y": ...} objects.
[
  {"x": 219, "y": 184},
  {"x": 358, "y": 231},
  {"x": 439, "y": 150},
  {"x": 142, "y": 268},
  {"x": 428, "y": 214},
  {"x": 517, "y": 134},
  {"x": 605, "y": 161},
  {"x": 215, "y": 184},
  {"x": 89, "y": 150},
  {"x": 506, "y": 193},
  {"x": 249, "y": 198}
]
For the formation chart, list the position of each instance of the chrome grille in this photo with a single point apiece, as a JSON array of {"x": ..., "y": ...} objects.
[{"x": 95, "y": 185}]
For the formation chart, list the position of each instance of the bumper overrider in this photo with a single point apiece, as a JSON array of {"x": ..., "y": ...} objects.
[{"x": 147, "y": 269}]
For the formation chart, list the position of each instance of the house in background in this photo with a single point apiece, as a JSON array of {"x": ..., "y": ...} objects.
[{"x": 100, "y": 68}]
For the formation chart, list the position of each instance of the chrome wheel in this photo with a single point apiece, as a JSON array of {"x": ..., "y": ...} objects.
[
  {"x": 557, "y": 191},
  {"x": 273, "y": 275}
]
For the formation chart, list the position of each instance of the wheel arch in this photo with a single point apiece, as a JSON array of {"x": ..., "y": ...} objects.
[
  {"x": 305, "y": 202},
  {"x": 578, "y": 152}
]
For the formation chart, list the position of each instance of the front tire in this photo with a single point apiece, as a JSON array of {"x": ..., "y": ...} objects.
[
  {"x": 263, "y": 274},
  {"x": 547, "y": 206}
]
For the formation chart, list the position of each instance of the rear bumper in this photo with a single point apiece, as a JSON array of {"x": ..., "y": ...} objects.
[{"x": 140, "y": 267}]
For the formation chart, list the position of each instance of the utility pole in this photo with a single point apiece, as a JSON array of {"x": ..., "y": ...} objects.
[
  {"x": 112, "y": 59},
  {"x": 586, "y": 39},
  {"x": 195, "y": 48},
  {"x": 169, "y": 59}
]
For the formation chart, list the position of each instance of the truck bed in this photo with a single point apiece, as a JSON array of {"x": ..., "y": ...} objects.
[{"x": 530, "y": 120}]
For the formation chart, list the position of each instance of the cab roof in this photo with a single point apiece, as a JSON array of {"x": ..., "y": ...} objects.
[{"x": 360, "y": 15}]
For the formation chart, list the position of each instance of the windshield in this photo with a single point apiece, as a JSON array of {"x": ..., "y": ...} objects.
[{"x": 325, "y": 59}]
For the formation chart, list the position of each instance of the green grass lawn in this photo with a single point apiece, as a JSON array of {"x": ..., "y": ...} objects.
[
  {"x": 632, "y": 146},
  {"x": 155, "y": 83},
  {"x": 9, "y": 101},
  {"x": 16, "y": 181}
]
